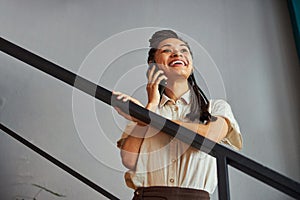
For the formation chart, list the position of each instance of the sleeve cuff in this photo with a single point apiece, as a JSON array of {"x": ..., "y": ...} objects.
[{"x": 233, "y": 137}]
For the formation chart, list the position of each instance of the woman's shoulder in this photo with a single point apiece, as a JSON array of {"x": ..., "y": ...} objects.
[
  {"x": 216, "y": 105},
  {"x": 218, "y": 101}
]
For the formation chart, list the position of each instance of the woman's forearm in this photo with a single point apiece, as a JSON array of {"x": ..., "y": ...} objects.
[
  {"x": 215, "y": 131},
  {"x": 131, "y": 147}
]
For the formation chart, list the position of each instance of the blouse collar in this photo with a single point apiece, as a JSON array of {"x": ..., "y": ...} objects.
[{"x": 186, "y": 97}]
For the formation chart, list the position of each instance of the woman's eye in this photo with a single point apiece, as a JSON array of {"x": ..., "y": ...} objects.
[
  {"x": 166, "y": 50},
  {"x": 184, "y": 50}
]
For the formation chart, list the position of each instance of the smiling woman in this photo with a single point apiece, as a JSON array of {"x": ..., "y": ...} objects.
[
  {"x": 174, "y": 58},
  {"x": 161, "y": 166}
]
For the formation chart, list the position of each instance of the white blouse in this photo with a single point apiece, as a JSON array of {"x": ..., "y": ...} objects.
[{"x": 166, "y": 161}]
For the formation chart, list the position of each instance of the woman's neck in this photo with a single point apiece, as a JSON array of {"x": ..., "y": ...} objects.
[{"x": 176, "y": 89}]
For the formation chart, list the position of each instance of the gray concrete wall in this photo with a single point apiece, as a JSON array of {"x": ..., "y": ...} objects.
[{"x": 244, "y": 52}]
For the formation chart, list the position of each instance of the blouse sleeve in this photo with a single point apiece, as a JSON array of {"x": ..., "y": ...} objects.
[
  {"x": 128, "y": 129},
  {"x": 233, "y": 138}
]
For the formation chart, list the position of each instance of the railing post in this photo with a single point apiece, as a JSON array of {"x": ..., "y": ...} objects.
[{"x": 223, "y": 181}]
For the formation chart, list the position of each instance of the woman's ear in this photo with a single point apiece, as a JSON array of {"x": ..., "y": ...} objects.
[{"x": 153, "y": 61}]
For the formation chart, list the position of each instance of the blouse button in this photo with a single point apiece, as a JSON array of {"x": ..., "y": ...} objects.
[
  {"x": 172, "y": 180},
  {"x": 176, "y": 108}
]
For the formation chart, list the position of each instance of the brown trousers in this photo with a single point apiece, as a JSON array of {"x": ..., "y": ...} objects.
[{"x": 169, "y": 193}]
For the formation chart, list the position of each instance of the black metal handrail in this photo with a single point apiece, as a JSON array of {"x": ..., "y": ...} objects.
[{"x": 225, "y": 156}]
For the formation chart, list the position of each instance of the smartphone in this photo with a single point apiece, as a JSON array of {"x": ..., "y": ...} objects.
[{"x": 163, "y": 83}]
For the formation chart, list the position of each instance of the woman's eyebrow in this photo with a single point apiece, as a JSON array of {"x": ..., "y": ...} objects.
[
  {"x": 169, "y": 45},
  {"x": 166, "y": 45}
]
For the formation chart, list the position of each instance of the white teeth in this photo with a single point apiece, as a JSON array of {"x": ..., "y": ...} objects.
[{"x": 177, "y": 62}]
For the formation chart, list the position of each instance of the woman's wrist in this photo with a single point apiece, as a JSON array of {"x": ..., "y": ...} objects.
[{"x": 151, "y": 106}]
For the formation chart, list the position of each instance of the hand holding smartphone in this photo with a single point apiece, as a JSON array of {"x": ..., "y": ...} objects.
[{"x": 163, "y": 83}]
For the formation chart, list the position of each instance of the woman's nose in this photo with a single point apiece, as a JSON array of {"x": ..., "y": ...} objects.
[{"x": 176, "y": 53}]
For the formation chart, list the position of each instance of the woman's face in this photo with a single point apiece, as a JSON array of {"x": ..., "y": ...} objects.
[{"x": 174, "y": 58}]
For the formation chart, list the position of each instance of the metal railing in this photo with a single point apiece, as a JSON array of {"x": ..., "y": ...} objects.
[{"x": 224, "y": 155}]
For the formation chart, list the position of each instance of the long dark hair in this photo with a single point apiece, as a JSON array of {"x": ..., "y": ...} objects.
[{"x": 199, "y": 102}]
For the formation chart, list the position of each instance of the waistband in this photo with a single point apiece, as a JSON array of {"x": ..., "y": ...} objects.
[{"x": 173, "y": 193}]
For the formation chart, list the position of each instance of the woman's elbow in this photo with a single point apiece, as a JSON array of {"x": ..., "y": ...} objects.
[{"x": 128, "y": 159}]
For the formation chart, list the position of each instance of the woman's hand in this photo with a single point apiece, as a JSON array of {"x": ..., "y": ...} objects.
[
  {"x": 154, "y": 78},
  {"x": 215, "y": 131},
  {"x": 125, "y": 98}
]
